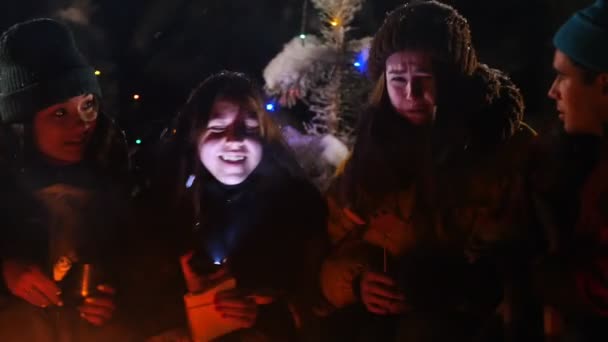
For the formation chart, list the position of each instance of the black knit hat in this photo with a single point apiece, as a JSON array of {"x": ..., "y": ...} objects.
[
  {"x": 425, "y": 25},
  {"x": 40, "y": 66}
]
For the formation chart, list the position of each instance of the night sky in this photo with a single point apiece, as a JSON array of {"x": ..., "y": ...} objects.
[{"x": 161, "y": 49}]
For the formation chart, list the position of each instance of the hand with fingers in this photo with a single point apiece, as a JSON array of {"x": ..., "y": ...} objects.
[
  {"x": 237, "y": 306},
  {"x": 98, "y": 309},
  {"x": 196, "y": 282},
  {"x": 29, "y": 283},
  {"x": 380, "y": 295}
]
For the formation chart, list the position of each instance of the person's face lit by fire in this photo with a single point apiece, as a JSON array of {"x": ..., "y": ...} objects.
[
  {"x": 230, "y": 147},
  {"x": 410, "y": 82},
  {"x": 62, "y": 131},
  {"x": 582, "y": 103}
]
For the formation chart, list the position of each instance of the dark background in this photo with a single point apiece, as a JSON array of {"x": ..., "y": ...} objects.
[{"x": 160, "y": 49}]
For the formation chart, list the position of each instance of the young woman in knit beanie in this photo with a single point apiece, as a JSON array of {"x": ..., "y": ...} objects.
[
  {"x": 61, "y": 201},
  {"x": 427, "y": 206}
]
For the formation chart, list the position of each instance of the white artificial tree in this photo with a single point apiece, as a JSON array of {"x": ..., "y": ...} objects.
[{"x": 326, "y": 73}]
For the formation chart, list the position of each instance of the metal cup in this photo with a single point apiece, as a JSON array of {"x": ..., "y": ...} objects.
[
  {"x": 80, "y": 283},
  {"x": 85, "y": 280}
]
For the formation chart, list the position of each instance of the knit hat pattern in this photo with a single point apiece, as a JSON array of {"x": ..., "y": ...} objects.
[
  {"x": 424, "y": 25},
  {"x": 584, "y": 37},
  {"x": 40, "y": 66}
]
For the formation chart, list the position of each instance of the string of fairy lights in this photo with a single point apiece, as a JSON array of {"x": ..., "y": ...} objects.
[
  {"x": 271, "y": 105},
  {"x": 304, "y": 21},
  {"x": 360, "y": 62},
  {"x": 135, "y": 97}
]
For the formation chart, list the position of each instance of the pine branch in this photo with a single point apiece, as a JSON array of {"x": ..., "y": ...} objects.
[{"x": 322, "y": 73}]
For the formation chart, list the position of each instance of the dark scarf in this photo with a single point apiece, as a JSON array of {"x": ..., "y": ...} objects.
[
  {"x": 38, "y": 174},
  {"x": 228, "y": 215}
]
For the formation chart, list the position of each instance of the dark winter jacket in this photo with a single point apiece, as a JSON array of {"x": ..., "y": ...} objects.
[
  {"x": 86, "y": 201},
  {"x": 74, "y": 211},
  {"x": 448, "y": 233},
  {"x": 82, "y": 204},
  {"x": 269, "y": 228},
  {"x": 569, "y": 184}
]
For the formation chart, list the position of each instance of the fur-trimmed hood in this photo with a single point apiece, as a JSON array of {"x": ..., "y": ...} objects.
[{"x": 501, "y": 107}]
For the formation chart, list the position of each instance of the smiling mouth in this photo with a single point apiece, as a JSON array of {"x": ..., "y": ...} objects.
[{"x": 232, "y": 159}]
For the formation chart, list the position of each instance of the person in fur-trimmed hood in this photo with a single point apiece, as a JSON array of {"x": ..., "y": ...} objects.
[
  {"x": 427, "y": 208},
  {"x": 62, "y": 193}
]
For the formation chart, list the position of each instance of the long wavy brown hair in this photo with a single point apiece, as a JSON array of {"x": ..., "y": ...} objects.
[
  {"x": 476, "y": 106},
  {"x": 390, "y": 153}
]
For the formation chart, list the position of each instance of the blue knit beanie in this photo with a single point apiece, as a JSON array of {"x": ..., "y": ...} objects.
[{"x": 584, "y": 37}]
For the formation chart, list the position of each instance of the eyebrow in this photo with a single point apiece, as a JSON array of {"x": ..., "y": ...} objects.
[
  {"x": 217, "y": 119},
  {"x": 414, "y": 69}
]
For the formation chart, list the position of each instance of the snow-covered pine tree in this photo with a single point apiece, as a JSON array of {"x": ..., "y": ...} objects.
[{"x": 326, "y": 73}]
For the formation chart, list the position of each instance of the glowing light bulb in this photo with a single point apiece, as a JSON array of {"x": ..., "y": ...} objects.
[
  {"x": 302, "y": 36},
  {"x": 334, "y": 22},
  {"x": 97, "y": 72},
  {"x": 138, "y": 141},
  {"x": 136, "y": 97},
  {"x": 360, "y": 61},
  {"x": 270, "y": 107}
]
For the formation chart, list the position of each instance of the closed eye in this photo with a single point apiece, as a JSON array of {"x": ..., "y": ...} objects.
[
  {"x": 252, "y": 123},
  {"x": 216, "y": 129}
]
